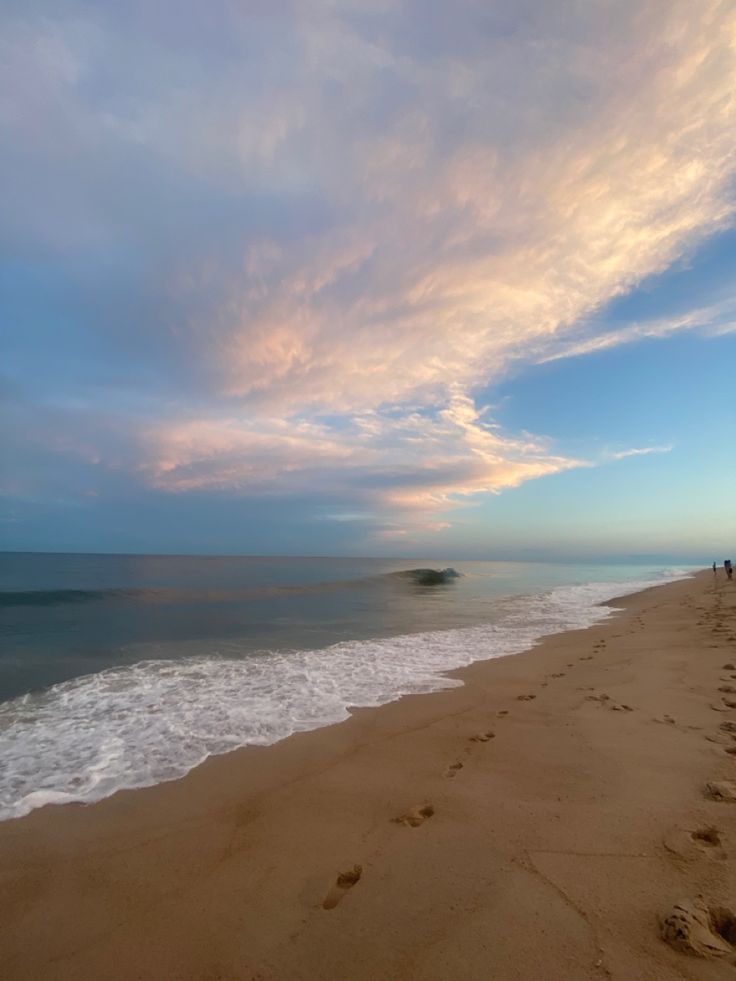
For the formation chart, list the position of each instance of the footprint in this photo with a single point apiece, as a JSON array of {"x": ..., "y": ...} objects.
[
  {"x": 558, "y": 674},
  {"x": 503, "y": 712},
  {"x": 719, "y": 708},
  {"x": 483, "y": 737},
  {"x": 728, "y": 689},
  {"x": 721, "y": 738},
  {"x": 694, "y": 846},
  {"x": 720, "y": 790},
  {"x": 729, "y": 667},
  {"x": 707, "y": 837},
  {"x": 695, "y": 928},
  {"x": 344, "y": 881},
  {"x": 606, "y": 700},
  {"x": 525, "y": 698},
  {"x": 415, "y": 816},
  {"x": 453, "y": 768},
  {"x": 667, "y": 719},
  {"x": 728, "y": 726},
  {"x": 586, "y": 657}
]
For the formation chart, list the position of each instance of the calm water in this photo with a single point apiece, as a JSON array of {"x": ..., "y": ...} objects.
[{"x": 128, "y": 670}]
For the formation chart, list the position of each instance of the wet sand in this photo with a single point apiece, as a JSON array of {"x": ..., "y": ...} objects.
[{"x": 538, "y": 822}]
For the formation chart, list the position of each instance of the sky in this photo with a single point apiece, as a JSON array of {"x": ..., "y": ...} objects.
[{"x": 370, "y": 277}]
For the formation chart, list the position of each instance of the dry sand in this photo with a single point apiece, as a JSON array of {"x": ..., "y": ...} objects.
[{"x": 551, "y": 812}]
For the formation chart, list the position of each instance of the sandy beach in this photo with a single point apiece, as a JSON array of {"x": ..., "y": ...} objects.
[{"x": 539, "y": 822}]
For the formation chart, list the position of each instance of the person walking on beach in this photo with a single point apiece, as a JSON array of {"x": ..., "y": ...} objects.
[
  {"x": 728, "y": 567},
  {"x": 714, "y": 568}
]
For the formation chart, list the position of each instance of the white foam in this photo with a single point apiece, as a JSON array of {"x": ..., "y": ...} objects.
[{"x": 138, "y": 725}]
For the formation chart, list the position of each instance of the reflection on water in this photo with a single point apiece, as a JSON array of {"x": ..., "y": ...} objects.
[{"x": 62, "y": 616}]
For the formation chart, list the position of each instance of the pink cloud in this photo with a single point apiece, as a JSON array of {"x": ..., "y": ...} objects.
[{"x": 455, "y": 260}]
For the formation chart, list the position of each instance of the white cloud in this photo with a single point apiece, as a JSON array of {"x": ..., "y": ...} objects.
[
  {"x": 640, "y": 451},
  {"x": 713, "y": 321},
  {"x": 401, "y": 470}
]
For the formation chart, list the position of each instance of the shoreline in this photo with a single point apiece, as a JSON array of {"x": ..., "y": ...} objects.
[
  {"x": 228, "y": 696},
  {"x": 505, "y": 860}
]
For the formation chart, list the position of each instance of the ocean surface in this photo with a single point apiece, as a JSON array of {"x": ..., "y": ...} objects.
[{"x": 128, "y": 670}]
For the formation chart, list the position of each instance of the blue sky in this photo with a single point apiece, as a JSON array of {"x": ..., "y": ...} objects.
[{"x": 368, "y": 278}]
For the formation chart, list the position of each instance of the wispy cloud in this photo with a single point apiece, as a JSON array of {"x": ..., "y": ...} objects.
[
  {"x": 714, "y": 321},
  {"x": 405, "y": 467},
  {"x": 455, "y": 257},
  {"x": 640, "y": 451}
]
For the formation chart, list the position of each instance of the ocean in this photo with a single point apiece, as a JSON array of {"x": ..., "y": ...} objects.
[{"x": 122, "y": 671}]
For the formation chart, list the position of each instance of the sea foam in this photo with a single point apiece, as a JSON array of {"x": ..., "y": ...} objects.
[{"x": 135, "y": 726}]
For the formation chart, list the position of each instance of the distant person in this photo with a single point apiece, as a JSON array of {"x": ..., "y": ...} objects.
[
  {"x": 728, "y": 567},
  {"x": 714, "y": 568}
]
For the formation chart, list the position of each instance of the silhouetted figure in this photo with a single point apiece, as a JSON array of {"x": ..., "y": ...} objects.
[
  {"x": 728, "y": 567},
  {"x": 714, "y": 568}
]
